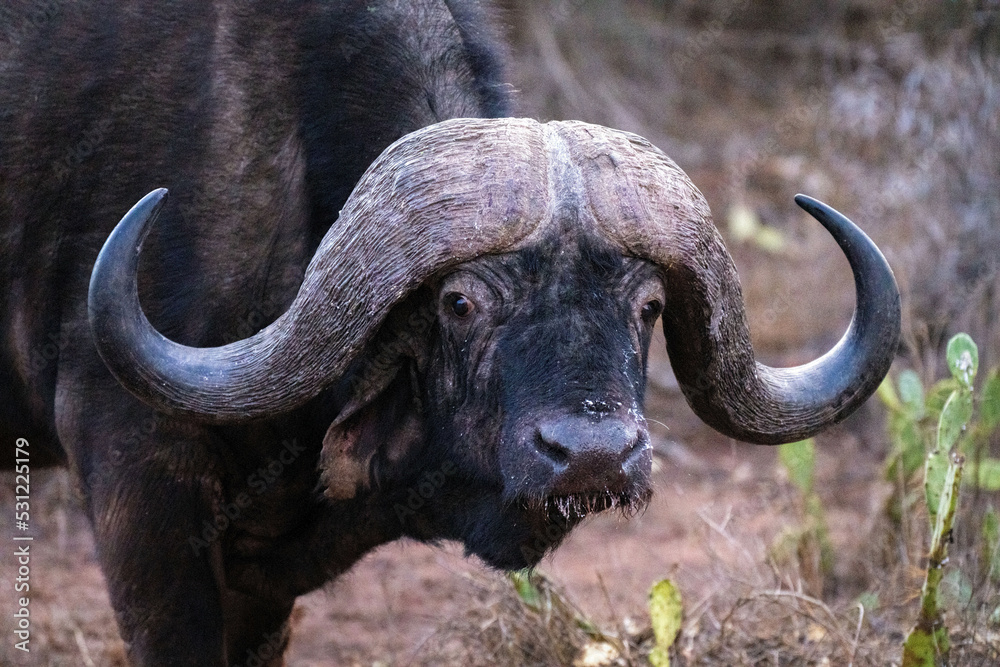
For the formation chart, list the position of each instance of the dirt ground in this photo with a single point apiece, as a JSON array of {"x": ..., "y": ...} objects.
[
  {"x": 399, "y": 602},
  {"x": 888, "y": 111}
]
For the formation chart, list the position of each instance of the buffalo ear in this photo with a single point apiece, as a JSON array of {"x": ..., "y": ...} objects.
[
  {"x": 382, "y": 419},
  {"x": 379, "y": 429}
]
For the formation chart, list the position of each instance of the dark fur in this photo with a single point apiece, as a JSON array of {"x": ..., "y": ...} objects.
[{"x": 260, "y": 118}]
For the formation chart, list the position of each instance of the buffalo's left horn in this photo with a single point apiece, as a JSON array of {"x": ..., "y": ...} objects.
[
  {"x": 756, "y": 403},
  {"x": 646, "y": 204}
]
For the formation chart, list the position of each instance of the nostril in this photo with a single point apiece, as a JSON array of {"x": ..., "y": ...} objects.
[
  {"x": 640, "y": 443},
  {"x": 551, "y": 448},
  {"x": 584, "y": 443},
  {"x": 586, "y": 455}
]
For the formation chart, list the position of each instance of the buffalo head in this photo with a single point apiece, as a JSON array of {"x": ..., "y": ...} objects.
[{"x": 483, "y": 309}]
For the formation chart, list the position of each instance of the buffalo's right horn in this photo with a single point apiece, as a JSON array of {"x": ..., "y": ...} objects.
[{"x": 416, "y": 211}]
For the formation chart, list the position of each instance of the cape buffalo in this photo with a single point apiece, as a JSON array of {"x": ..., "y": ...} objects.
[{"x": 461, "y": 334}]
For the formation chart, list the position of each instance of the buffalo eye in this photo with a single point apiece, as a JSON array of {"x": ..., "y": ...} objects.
[
  {"x": 650, "y": 311},
  {"x": 459, "y": 304}
]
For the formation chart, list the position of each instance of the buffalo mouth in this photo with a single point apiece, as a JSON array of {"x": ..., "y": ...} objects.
[
  {"x": 512, "y": 532},
  {"x": 543, "y": 523},
  {"x": 549, "y": 497},
  {"x": 578, "y": 506}
]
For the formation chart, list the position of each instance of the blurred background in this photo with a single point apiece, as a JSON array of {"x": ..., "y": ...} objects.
[{"x": 887, "y": 110}]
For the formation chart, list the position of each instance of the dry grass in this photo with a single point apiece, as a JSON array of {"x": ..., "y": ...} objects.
[
  {"x": 755, "y": 613},
  {"x": 501, "y": 629},
  {"x": 71, "y": 620},
  {"x": 740, "y": 609}
]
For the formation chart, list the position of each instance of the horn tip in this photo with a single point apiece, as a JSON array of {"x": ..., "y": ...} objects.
[
  {"x": 806, "y": 202},
  {"x": 157, "y": 195},
  {"x": 149, "y": 206}
]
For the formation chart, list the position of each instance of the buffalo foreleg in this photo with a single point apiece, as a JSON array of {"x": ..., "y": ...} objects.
[{"x": 149, "y": 484}]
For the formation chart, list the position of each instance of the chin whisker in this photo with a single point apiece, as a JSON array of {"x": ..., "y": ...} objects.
[{"x": 577, "y": 506}]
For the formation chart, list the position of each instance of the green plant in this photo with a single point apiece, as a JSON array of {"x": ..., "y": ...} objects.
[
  {"x": 915, "y": 418},
  {"x": 665, "y": 613},
  {"x": 916, "y": 431},
  {"x": 928, "y": 644},
  {"x": 540, "y": 596},
  {"x": 537, "y": 593}
]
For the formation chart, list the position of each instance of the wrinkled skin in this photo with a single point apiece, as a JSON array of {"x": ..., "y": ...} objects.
[
  {"x": 452, "y": 435},
  {"x": 552, "y": 335}
]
